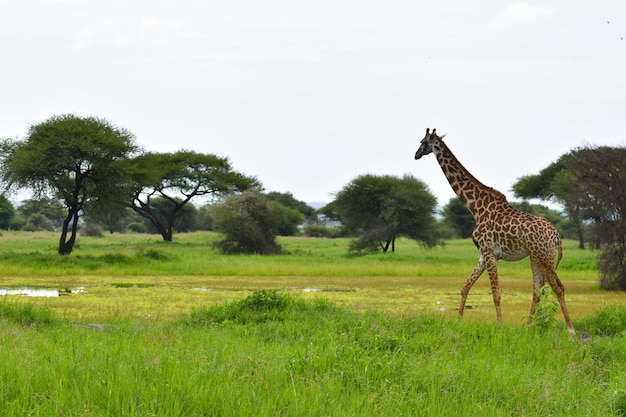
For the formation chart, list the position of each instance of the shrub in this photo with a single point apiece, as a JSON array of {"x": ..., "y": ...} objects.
[
  {"x": 248, "y": 223},
  {"x": 38, "y": 222},
  {"x": 137, "y": 227},
  {"x": 92, "y": 230},
  {"x": 317, "y": 230},
  {"x": 259, "y": 307}
]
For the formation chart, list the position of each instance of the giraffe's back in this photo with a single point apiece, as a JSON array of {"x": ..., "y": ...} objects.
[{"x": 513, "y": 235}]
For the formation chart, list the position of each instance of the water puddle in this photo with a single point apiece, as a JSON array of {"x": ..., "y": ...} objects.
[
  {"x": 29, "y": 292},
  {"x": 326, "y": 290},
  {"x": 40, "y": 292}
]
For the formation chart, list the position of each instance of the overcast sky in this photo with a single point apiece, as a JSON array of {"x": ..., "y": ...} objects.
[{"x": 307, "y": 95}]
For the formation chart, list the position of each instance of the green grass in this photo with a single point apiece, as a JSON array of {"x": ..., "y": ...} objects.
[
  {"x": 141, "y": 276},
  {"x": 273, "y": 354},
  {"x": 176, "y": 329}
]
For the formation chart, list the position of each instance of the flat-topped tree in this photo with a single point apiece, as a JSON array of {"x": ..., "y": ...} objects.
[
  {"x": 178, "y": 177},
  {"x": 77, "y": 160}
]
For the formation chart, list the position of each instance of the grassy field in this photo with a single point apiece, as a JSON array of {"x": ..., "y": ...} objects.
[
  {"x": 144, "y": 328},
  {"x": 141, "y": 276}
]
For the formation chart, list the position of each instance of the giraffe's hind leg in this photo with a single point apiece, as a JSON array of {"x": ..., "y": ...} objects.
[
  {"x": 549, "y": 274},
  {"x": 538, "y": 282}
]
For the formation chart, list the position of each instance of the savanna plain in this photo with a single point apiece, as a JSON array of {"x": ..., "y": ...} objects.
[{"x": 128, "y": 325}]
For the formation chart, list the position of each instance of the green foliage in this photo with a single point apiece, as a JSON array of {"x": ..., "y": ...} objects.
[
  {"x": 184, "y": 173},
  {"x": 51, "y": 208},
  {"x": 26, "y": 314},
  {"x": 310, "y": 359},
  {"x": 38, "y": 222},
  {"x": 458, "y": 217},
  {"x": 546, "y": 309},
  {"x": 612, "y": 266},
  {"x": 318, "y": 230},
  {"x": 288, "y": 200},
  {"x": 182, "y": 217},
  {"x": 71, "y": 159},
  {"x": 137, "y": 227},
  {"x": 258, "y": 307},
  {"x": 249, "y": 224},
  {"x": 92, "y": 230},
  {"x": 379, "y": 209},
  {"x": 7, "y": 211}
]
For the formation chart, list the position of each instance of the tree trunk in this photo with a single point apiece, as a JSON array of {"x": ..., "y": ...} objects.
[
  {"x": 581, "y": 238},
  {"x": 67, "y": 245}
]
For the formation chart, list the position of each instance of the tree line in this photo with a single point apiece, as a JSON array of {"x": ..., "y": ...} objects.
[{"x": 88, "y": 169}]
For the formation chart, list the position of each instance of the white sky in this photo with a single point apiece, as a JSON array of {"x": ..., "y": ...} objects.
[{"x": 307, "y": 95}]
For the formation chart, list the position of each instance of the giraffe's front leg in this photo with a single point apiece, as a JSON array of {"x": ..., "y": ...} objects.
[{"x": 478, "y": 270}]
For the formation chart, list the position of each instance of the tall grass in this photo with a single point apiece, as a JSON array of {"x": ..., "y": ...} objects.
[{"x": 273, "y": 354}]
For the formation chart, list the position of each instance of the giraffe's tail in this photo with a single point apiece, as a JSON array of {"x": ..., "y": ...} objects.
[{"x": 559, "y": 247}]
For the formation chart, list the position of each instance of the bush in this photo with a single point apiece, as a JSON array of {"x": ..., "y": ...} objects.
[
  {"x": 259, "y": 307},
  {"x": 92, "y": 230},
  {"x": 248, "y": 223},
  {"x": 612, "y": 266},
  {"x": 136, "y": 227},
  {"x": 318, "y": 230},
  {"x": 38, "y": 222}
]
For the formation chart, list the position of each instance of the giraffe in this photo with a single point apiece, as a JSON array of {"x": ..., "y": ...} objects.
[{"x": 501, "y": 232}]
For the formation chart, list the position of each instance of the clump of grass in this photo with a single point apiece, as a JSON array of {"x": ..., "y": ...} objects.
[
  {"x": 260, "y": 306},
  {"x": 608, "y": 321},
  {"x": 26, "y": 314},
  {"x": 154, "y": 255}
]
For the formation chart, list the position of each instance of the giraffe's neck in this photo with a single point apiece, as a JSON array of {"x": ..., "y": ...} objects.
[{"x": 474, "y": 194}]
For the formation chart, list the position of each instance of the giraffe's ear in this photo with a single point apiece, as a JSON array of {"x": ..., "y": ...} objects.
[{"x": 442, "y": 136}]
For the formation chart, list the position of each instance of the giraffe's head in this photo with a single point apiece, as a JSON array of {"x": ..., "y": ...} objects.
[{"x": 429, "y": 144}]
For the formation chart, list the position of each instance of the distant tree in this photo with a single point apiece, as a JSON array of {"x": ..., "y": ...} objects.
[
  {"x": 204, "y": 218},
  {"x": 248, "y": 222},
  {"x": 7, "y": 211},
  {"x": 113, "y": 217},
  {"x": 288, "y": 200},
  {"x": 183, "y": 221},
  {"x": 70, "y": 158},
  {"x": 37, "y": 222},
  {"x": 600, "y": 174},
  {"x": 590, "y": 182},
  {"x": 556, "y": 183},
  {"x": 457, "y": 217},
  {"x": 289, "y": 220},
  {"x": 51, "y": 208},
  {"x": 378, "y": 209},
  {"x": 179, "y": 177}
]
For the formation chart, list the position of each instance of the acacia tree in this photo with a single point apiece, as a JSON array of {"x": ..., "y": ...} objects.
[
  {"x": 557, "y": 183},
  {"x": 70, "y": 158},
  {"x": 590, "y": 182},
  {"x": 601, "y": 176},
  {"x": 178, "y": 177},
  {"x": 378, "y": 209}
]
